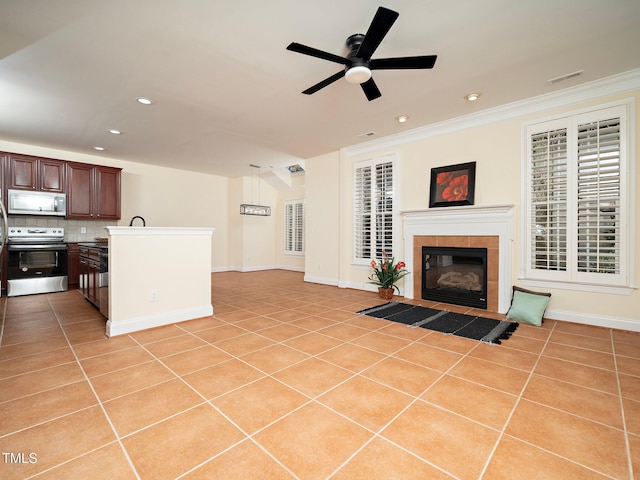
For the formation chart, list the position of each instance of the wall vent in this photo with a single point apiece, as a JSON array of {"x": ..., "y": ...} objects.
[{"x": 567, "y": 76}]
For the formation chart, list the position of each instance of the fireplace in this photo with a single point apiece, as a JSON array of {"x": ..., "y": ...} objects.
[
  {"x": 489, "y": 227},
  {"x": 455, "y": 275}
]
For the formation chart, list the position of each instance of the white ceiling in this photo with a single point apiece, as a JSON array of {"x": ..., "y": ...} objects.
[{"x": 227, "y": 92}]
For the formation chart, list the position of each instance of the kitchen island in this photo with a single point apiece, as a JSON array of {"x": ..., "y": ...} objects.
[{"x": 157, "y": 276}]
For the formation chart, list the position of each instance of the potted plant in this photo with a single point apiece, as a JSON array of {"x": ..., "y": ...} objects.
[{"x": 386, "y": 274}]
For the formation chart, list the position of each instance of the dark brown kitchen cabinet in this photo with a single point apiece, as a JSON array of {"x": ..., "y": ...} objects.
[
  {"x": 89, "y": 274},
  {"x": 73, "y": 270},
  {"x": 93, "y": 192},
  {"x": 25, "y": 172}
]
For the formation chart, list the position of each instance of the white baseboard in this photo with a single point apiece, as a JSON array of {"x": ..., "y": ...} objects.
[
  {"x": 323, "y": 281},
  {"x": 159, "y": 320},
  {"x": 596, "y": 320},
  {"x": 257, "y": 268},
  {"x": 367, "y": 287},
  {"x": 290, "y": 268}
]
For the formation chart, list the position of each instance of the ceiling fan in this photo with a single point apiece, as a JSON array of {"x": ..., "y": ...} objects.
[{"x": 358, "y": 62}]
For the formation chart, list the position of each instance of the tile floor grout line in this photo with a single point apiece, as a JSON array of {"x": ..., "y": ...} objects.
[
  {"x": 90, "y": 384},
  {"x": 624, "y": 419},
  {"x": 68, "y": 461},
  {"x": 43, "y": 422},
  {"x": 515, "y": 405},
  {"x": 593, "y": 389},
  {"x": 581, "y": 417},
  {"x": 520, "y": 397},
  {"x": 378, "y": 433},
  {"x": 557, "y": 455},
  {"x": 247, "y": 436},
  {"x": 315, "y": 399},
  {"x": 35, "y": 371}
]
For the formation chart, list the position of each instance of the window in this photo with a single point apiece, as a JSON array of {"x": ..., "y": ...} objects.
[
  {"x": 373, "y": 209},
  {"x": 577, "y": 214},
  {"x": 294, "y": 227}
]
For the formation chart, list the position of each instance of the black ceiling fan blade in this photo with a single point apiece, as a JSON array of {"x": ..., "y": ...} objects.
[
  {"x": 380, "y": 26},
  {"x": 324, "y": 83},
  {"x": 314, "y": 52},
  {"x": 370, "y": 89},
  {"x": 403, "y": 63}
]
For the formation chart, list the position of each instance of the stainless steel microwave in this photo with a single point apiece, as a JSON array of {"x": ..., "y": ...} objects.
[{"x": 26, "y": 202}]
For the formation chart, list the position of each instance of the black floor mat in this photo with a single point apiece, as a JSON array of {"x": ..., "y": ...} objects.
[
  {"x": 467, "y": 326},
  {"x": 449, "y": 323}
]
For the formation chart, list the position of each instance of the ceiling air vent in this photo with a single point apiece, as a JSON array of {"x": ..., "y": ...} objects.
[{"x": 567, "y": 76}]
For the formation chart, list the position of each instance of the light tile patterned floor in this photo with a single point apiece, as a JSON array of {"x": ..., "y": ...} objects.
[{"x": 286, "y": 382}]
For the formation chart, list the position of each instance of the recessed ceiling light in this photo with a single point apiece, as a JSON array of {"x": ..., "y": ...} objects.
[
  {"x": 113, "y": 131},
  {"x": 144, "y": 101},
  {"x": 100, "y": 149},
  {"x": 472, "y": 97},
  {"x": 402, "y": 118}
]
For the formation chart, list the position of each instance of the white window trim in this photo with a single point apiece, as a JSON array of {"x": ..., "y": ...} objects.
[
  {"x": 292, "y": 251},
  {"x": 628, "y": 285},
  {"x": 364, "y": 263}
]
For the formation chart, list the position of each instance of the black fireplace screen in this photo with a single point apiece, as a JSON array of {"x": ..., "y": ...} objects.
[{"x": 455, "y": 275}]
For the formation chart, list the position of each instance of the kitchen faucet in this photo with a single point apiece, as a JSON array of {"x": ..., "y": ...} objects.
[{"x": 144, "y": 224}]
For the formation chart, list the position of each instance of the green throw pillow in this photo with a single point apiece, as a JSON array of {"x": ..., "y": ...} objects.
[{"x": 528, "y": 307}]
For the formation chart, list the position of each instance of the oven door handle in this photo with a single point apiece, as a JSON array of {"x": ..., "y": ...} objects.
[{"x": 24, "y": 247}]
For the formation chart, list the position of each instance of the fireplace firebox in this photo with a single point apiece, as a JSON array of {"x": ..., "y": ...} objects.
[{"x": 455, "y": 275}]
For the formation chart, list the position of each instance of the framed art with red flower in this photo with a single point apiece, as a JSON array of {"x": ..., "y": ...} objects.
[{"x": 453, "y": 185}]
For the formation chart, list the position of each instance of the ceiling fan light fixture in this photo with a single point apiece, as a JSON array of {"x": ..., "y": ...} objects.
[{"x": 358, "y": 74}]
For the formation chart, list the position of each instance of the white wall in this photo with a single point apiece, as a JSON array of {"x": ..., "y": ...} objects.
[
  {"x": 322, "y": 227},
  {"x": 255, "y": 236},
  {"x": 495, "y": 145}
]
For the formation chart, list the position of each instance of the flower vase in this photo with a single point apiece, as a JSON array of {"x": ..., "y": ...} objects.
[{"x": 385, "y": 293}]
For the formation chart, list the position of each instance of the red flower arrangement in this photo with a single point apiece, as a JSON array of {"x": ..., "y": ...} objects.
[{"x": 385, "y": 273}]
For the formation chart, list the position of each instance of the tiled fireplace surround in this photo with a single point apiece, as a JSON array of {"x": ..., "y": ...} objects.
[{"x": 489, "y": 227}]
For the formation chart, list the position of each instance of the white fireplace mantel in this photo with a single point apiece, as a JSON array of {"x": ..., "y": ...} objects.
[{"x": 488, "y": 220}]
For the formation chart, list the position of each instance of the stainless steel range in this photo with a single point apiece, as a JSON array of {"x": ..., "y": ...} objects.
[{"x": 37, "y": 260}]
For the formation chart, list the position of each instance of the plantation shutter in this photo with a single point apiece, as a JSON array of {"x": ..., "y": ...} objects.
[
  {"x": 362, "y": 213},
  {"x": 599, "y": 197},
  {"x": 577, "y": 187},
  {"x": 288, "y": 227},
  {"x": 294, "y": 227},
  {"x": 298, "y": 229},
  {"x": 373, "y": 209},
  {"x": 549, "y": 200},
  {"x": 384, "y": 209}
]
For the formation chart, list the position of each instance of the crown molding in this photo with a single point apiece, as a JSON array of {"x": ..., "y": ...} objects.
[{"x": 608, "y": 86}]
